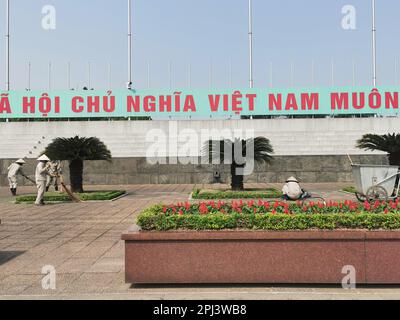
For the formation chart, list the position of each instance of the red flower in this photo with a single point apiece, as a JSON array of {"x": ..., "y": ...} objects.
[
  {"x": 203, "y": 208},
  {"x": 187, "y": 205}
]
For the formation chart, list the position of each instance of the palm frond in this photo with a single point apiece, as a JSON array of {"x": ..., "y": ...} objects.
[
  {"x": 389, "y": 143},
  {"x": 78, "y": 148},
  {"x": 218, "y": 151}
]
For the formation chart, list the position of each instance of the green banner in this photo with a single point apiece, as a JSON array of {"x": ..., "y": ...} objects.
[{"x": 199, "y": 104}]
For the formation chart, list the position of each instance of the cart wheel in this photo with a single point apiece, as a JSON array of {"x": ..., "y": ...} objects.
[
  {"x": 376, "y": 193},
  {"x": 361, "y": 197}
]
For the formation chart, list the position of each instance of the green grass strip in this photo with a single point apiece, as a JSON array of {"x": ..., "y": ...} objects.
[{"x": 63, "y": 197}]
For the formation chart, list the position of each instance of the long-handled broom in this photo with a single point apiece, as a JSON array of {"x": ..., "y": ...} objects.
[
  {"x": 73, "y": 197},
  {"x": 29, "y": 179}
]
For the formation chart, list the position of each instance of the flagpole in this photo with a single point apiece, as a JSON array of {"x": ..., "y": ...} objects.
[
  {"x": 69, "y": 75},
  {"x": 230, "y": 74},
  {"x": 251, "y": 82},
  {"x": 292, "y": 74},
  {"x": 109, "y": 76},
  {"x": 7, "y": 45},
  {"x": 29, "y": 76},
  {"x": 312, "y": 73},
  {"x": 49, "y": 75},
  {"x": 271, "y": 75},
  {"x": 148, "y": 75},
  {"x": 189, "y": 79},
  {"x": 170, "y": 74},
  {"x": 129, "y": 85},
  {"x": 374, "y": 43},
  {"x": 210, "y": 76},
  {"x": 89, "y": 76}
]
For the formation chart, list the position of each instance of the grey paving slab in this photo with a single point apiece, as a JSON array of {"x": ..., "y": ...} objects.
[{"x": 82, "y": 241}]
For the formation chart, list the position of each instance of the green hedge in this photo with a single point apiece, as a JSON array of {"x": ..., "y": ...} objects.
[
  {"x": 63, "y": 197},
  {"x": 270, "y": 193},
  {"x": 349, "y": 189},
  {"x": 155, "y": 218}
]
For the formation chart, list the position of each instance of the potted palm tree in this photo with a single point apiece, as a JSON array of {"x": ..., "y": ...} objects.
[
  {"x": 75, "y": 150},
  {"x": 260, "y": 149}
]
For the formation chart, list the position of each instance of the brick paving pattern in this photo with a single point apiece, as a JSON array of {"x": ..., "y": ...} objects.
[{"x": 82, "y": 241}]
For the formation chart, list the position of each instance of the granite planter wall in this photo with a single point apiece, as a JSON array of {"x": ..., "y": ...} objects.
[
  {"x": 290, "y": 257},
  {"x": 335, "y": 168}
]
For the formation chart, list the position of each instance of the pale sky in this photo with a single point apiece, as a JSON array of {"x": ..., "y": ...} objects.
[{"x": 207, "y": 34}]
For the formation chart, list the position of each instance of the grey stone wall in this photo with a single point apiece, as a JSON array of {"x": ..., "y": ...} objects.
[{"x": 321, "y": 168}]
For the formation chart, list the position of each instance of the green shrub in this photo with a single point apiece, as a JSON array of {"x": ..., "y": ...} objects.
[
  {"x": 349, "y": 189},
  {"x": 269, "y": 193},
  {"x": 63, "y": 197},
  {"x": 270, "y": 216}
]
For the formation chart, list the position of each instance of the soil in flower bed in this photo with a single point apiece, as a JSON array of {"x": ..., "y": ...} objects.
[
  {"x": 275, "y": 215},
  {"x": 208, "y": 194},
  {"x": 63, "y": 197}
]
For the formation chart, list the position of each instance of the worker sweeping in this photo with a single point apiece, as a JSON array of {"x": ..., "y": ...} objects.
[
  {"x": 42, "y": 171},
  {"x": 54, "y": 174},
  {"x": 14, "y": 170}
]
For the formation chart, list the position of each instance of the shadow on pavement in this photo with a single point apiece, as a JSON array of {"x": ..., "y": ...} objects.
[{"x": 6, "y": 256}]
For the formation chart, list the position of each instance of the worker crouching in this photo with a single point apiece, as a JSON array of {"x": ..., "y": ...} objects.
[{"x": 292, "y": 190}]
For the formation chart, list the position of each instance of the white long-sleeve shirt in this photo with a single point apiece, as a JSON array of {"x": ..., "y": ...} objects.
[
  {"x": 14, "y": 169},
  {"x": 41, "y": 172},
  {"x": 292, "y": 189}
]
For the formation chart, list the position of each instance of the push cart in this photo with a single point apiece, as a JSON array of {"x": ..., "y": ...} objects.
[{"x": 375, "y": 182}]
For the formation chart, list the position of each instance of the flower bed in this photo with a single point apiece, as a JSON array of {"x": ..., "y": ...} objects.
[
  {"x": 209, "y": 194},
  {"x": 277, "y": 215},
  {"x": 63, "y": 197}
]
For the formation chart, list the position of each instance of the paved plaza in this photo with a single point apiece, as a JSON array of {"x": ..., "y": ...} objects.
[{"x": 82, "y": 242}]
